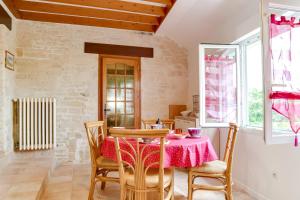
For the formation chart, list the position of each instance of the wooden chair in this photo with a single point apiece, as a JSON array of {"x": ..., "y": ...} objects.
[
  {"x": 141, "y": 175},
  {"x": 100, "y": 165},
  {"x": 167, "y": 123},
  {"x": 219, "y": 170}
]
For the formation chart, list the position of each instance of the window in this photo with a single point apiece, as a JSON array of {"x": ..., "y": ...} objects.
[
  {"x": 279, "y": 60},
  {"x": 252, "y": 82},
  {"x": 220, "y": 77},
  {"x": 214, "y": 105},
  {"x": 219, "y": 85},
  {"x": 252, "y": 89}
]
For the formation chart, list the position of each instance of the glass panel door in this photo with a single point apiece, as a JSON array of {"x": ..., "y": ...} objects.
[{"x": 121, "y": 92}]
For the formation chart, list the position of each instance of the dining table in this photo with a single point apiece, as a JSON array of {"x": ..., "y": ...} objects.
[{"x": 180, "y": 153}]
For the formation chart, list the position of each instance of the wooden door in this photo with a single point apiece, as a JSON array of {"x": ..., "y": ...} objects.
[{"x": 119, "y": 100}]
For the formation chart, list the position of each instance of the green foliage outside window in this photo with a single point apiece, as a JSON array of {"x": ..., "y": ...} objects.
[
  {"x": 256, "y": 112},
  {"x": 255, "y": 108}
]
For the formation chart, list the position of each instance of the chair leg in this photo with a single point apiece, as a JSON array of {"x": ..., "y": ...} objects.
[
  {"x": 226, "y": 195},
  {"x": 162, "y": 194},
  {"x": 190, "y": 189},
  {"x": 130, "y": 196},
  {"x": 92, "y": 186},
  {"x": 229, "y": 188},
  {"x": 103, "y": 183},
  {"x": 171, "y": 188},
  {"x": 123, "y": 193}
]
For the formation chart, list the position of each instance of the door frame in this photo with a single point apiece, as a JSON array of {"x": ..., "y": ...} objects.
[{"x": 137, "y": 83}]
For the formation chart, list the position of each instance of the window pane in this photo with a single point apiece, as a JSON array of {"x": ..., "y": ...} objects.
[
  {"x": 120, "y": 107},
  {"x": 120, "y": 81},
  {"x": 220, "y": 85},
  {"x": 110, "y": 82},
  {"x": 130, "y": 120},
  {"x": 110, "y": 106},
  {"x": 120, "y": 95},
  {"x": 110, "y": 94},
  {"x": 129, "y": 81},
  {"x": 110, "y": 69},
  {"x": 129, "y": 70},
  {"x": 111, "y": 120},
  {"x": 129, "y": 108},
  {"x": 121, "y": 121},
  {"x": 129, "y": 94},
  {"x": 120, "y": 69},
  {"x": 285, "y": 60},
  {"x": 254, "y": 94},
  {"x": 280, "y": 123}
]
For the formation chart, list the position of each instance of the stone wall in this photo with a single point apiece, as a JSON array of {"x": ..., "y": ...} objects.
[
  {"x": 51, "y": 63},
  {"x": 7, "y": 88}
]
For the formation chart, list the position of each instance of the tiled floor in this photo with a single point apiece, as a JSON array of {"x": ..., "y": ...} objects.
[
  {"x": 22, "y": 175},
  {"x": 71, "y": 182}
]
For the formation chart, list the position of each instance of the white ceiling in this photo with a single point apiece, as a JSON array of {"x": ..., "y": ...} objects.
[{"x": 193, "y": 21}]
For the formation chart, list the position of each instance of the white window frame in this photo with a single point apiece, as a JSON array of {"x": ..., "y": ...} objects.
[
  {"x": 271, "y": 137},
  {"x": 202, "y": 95},
  {"x": 250, "y": 39}
]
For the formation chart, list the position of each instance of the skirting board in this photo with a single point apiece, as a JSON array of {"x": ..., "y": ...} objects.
[{"x": 249, "y": 190}]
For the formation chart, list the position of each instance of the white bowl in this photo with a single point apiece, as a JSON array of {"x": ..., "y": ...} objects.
[{"x": 185, "y": 113}]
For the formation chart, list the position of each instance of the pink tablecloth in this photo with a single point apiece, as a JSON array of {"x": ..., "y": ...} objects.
[{"x": 189, "y": 152}]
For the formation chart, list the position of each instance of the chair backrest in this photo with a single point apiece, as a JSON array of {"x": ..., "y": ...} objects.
[
  {"x": 230, "y": 144},
  {"x": 140, "y": 156},
  {"x": 95, "y": 135},
  {"x": 167, "y": 123}
]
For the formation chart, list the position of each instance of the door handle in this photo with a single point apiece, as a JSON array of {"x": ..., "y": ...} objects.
[{"x": 106, "y": 109}]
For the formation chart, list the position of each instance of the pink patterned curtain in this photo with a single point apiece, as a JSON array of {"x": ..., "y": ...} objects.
[
  {"x": 220, "y": 88},
  {"x": 285, "y": 63}
]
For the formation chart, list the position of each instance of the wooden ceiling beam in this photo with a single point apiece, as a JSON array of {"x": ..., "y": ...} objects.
[
  {"x": 44, "y": 17},
  {"x": 85, "y": 12},
  {"x": 166, "y": 2},
  {"x": 168, "y": 9},
  {"x": 117, "y": 5},
  {"x": 12, "y": 8},
  {"x": 5, "y": 18}
]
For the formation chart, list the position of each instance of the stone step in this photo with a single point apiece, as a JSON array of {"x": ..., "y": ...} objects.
[{"x": 23, "y": 175}]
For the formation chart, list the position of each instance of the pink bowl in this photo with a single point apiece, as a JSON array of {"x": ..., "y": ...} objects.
[{"x": 194, "y": 131}]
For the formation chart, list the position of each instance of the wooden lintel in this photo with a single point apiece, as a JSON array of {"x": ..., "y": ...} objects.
[
  {"x": 120, "y": 50},
  {"x": 5, "y": 18}
]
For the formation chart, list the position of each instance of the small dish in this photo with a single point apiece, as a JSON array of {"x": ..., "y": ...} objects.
[
  {"x": 179, "y": 136},
  {"x": 155, "y": 141}
]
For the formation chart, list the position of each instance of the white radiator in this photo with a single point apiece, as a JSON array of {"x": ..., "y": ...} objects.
[{"x": 36, "y": 123}]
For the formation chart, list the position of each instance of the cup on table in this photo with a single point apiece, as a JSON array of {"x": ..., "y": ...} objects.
[
  {"x": 156, "y": 126},
  {"x": 178, "y": 130}
]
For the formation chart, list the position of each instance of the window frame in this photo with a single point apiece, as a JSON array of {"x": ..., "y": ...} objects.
[
  {"x": 271, "y": 136},
  {"x": 249, "y": 40},
  {"x": 202, "y": 76}
]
